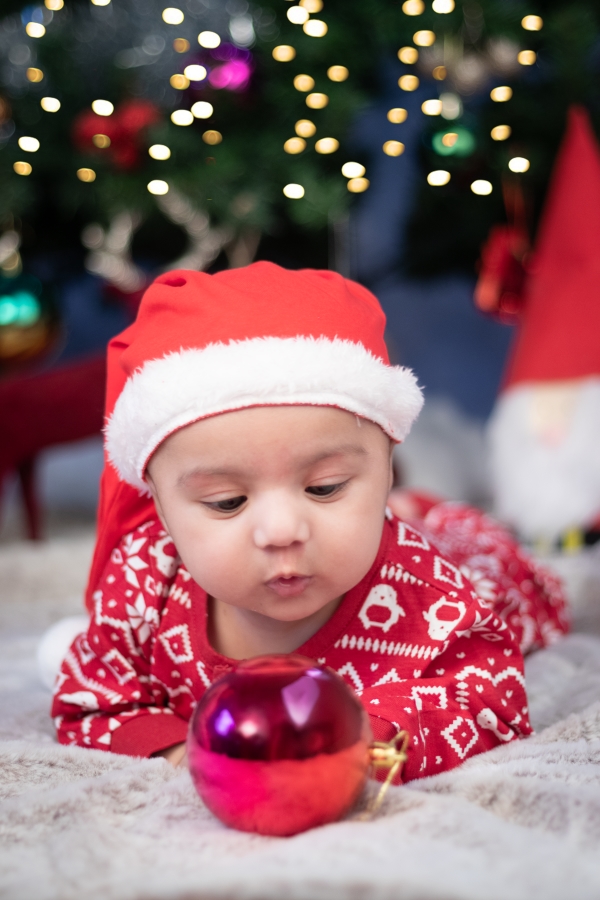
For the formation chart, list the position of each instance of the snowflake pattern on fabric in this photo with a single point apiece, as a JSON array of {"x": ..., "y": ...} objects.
[{"x": 429, "y": 641}]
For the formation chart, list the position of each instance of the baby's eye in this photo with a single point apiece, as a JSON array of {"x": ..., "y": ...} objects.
[
  {"x": 324, "y": 490},
  {"x": 229, "y": 505}
]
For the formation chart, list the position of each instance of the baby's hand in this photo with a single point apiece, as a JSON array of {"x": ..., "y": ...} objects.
[{"x": 176, "y": 755}]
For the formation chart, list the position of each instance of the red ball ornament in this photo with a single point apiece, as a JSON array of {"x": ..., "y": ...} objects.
[{"x": 278, "y": 746}]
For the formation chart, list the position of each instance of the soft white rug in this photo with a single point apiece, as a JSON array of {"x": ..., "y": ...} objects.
[{"x": 518, "y": 823}]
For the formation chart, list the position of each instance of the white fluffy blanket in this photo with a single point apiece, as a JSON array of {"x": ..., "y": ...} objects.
[{"x": 518, "y": 823}]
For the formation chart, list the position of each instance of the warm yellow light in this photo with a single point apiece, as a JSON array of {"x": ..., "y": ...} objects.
[
  {"x": 393, "y": 148},
  {"x": 284, "y": 53},
  {"x": 86, "y": 175},
  {"x": 442, "y": 6},
  {"x": 172, "y": 16},
  {"x": 305, "y": 128},
  {"x": 408, "y": 55},
  {"x": 438, "y": 177},
  {"x": 439, "y": 73},
  {"x": 180, "y": 45},
  {"x": 397, "y": 115},
  {"x": 449, "y": 139},
  {"x": 315, "y": 28},
  {"x": 35, "y": 30},
  {"x": 179, "y": 82},
  {"x": 22, "y": 168},
  {"x": 317, "y": 101},
  {"x": 501, "y": 94},
  {"x": 182, "y": 117},
  {"x": 103, "y": 107},
  {"x": 195, "y": 73},
  {"x": 158, "y": 187},
  {"x": 408, "y": 82},
  {"x": 432, "y": 107},
  {"x": 202, "y": 109},
  {"x": 50, "y": 104},
  {"x": 353, "y": 170},
  {"x": 518, "y": 164},
  {"x": 358, "y": 185},
  {"x": 304, "y": 83},
  {"x": 312, "y": 6},
  {"x": 159, "y": 151},
  {"x": 527, "y": 57},
  {"x": 294, "y": 145},
  {"x": 413, "y": 7},
  {"x": 532, "y": 23},
  {"x": 482, "y": 187},
  {"x": 500, "y": 132},
  {"x": 209, "y": 39},
  {"x": 212, "y": 137},
  {"x": 100, "y": 2},
  {"x": 102, "y": 141},
  {"x": 337, "y": 73},
  {"x": 29, "y": 144},
  {"x": 297, "y": 15},
  {"x": 294, "y": 191},
  {"x": 54, "y": 5},
  {"x": 327, "y": 145},
  {"x": 34, "y": 75},
  {"x": 424, "y": 38}
]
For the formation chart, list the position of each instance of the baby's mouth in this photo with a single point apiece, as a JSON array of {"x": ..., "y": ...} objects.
[{"x": 289, "y": 585}]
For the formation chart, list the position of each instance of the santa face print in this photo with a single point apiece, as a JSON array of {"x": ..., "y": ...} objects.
[{"x": 276, "y": 511}]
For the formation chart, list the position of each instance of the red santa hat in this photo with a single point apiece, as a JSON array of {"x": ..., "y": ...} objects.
[
  {"x": 258, "y": 336},
  {"x": 558, "y": 337}
]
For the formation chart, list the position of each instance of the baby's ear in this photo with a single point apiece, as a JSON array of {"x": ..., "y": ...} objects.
[{"x": 154, "y": 492}]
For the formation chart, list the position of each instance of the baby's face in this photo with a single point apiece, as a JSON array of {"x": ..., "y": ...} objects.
[{"x": 278, "y": 510}]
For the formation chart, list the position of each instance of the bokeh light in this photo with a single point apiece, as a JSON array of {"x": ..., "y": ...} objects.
[
  {"x": 501, "y": 94},
  {"x": 195, "y": 73},
  {"x": 101, "y": 141},
  {"x": 315, "y": 28},
  {"x": 408, "y": 82},
  {"x": 397, "y": 115},
  {"x": 209, "y": 39},
  {"x": 172, "y": 15},
  {"x": 19, "y": 309},
  {"x": 35, "y": 29},
  {"x": 317, "y": 101},
  {"x": 103, "y": 107},
  {"x": 353, "y": 170},
  {"x": 443, "y": 6},
  {"x": 182, "y": 117},
  {"x": 212, "y": 137},
  {"x": 294, "y": 191},
  {"x": 413, "y": 7},
  {"x": 297, "y": 15},
  {"x": 532, "y": 23},
  {"x": 54, "y": 5},
  {"x": 202, "y": 109},
  {"x": 294, "y": 145},
  {"x": 393, "y": 148},
  {"x": 518, "y": 164},
  {"x": 312, "y": 6},
  {"x": 284, "y": 53},
  {"x": 158, "y": 187},
  {"x": 29, "y": 144},
  {"x": 34, "y": 75},
  {"x": 305, "y": 128},
  {"x": 327, "y": 145},
  {"x": 86, "y": 175},
  {"x": 159, "y": 151},
  {"x": 408, "y": 55},
  {"x": 439, "y": 73},
  {"x": 22, "y": 168},
  {"x": 358, "y": 185},
  {"x": 50, "y": 104},
  {"x": 432, "y": 107},
  {"x": 424, "y": 38},
  {"x": 337, "y": 73},
  {"x": 500, "y": 132},
  {"x": 179, "y": 82},
  {"x": 527, "y": 57},
  {"x": 481, "y": 187},
  {"x": 304, "y": 83},
  {"x": 438, "y": 177},
  {"x": 181, "y": 45},
  {"x": 458, "y": 142}
]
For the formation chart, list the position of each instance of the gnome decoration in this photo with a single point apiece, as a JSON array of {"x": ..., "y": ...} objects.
[{"x": 545, "y": 429}]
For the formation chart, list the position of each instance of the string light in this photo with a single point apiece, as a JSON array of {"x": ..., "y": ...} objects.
[
  {"x": 180, "y": 45},
  {"x": 449, "y": 139},
  {"x": 212, "y": 137},
  {"x": 50, "y": 104},
  {"x": 305, "y": 128},
  {"x": 195, "y": 73},
  {"x": 159, "y": 151},
  {"x": 327, "y": 145},
  {"x": 304, "y": 83},
  {"x": 532, "y": 23},
  {"x": 102, "y": 141},
  {"x": 451, "y": 106},
  {"x": 482, "y": 187},
  {"x": 294, "y": 145},
  {"x": 54, "y": 5},
  {"x": 158, "y": 187},
  {"x": 100, "y": 2},
  {"x": 202, "y": 109},
  {"x": 312, "y": 6},
  {"x": 29, "y": 144},
  {"x": 209, "y": 39},
  {"x": 294, "y": 191},
  {"x": 501, "y": 94},
  {"x": 527, "y": 57},
  {"x": 408, "y": 55},
  {"x": 317, "y": 101},
  {"x": 438, "y": 177},
  {"x": 443, "y": 6},
  {"x": 297, "y": 15},
  {"x": 103, "y": 107},
  {"x": 393, "y": 148},
  {"x": 172, "y": 16},
  {"x": 453, "y": 143},
  {"x": 424, "y": 38},
  {"x": 518, "y": 164},
  {"x": 284, "y": 53},
  {"x": 35, "y": 29},
  {"x": 86, "y": 175},
  {"x": 315, "y": 28},
  {"x": 22, "y": 168},
  {"x": 353, "y": 170},
  {"x": 500, "y": 132},
  {"x": 439, "y": 73},
  {"x": 413, "y": 7},
  {"x": 397, "y": 115},
  {"x": 408, "y": 82},
  {"x": 432, "y": 107},
  {"x": 182, "y": 117},
  {"x": 34, "y": 75},
  {"x": 358, "y": 185},
  {"x": 179, "y": 82},
  {"x": 337, "y": 73}
]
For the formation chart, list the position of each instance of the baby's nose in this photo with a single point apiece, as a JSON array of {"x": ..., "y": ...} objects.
[{"x": 279, "y": 525}]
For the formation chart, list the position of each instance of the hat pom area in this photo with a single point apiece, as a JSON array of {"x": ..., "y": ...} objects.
[{"x": 167, "y": 394}]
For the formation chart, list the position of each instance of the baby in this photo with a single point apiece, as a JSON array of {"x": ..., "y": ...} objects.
[{"x": 244, "y": 510}]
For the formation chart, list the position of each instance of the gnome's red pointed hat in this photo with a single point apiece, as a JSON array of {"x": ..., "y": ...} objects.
[{"x": 559, "y": 333}]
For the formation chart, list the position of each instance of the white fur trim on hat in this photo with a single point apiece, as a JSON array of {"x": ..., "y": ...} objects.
[{"x": 169, "y": 393}]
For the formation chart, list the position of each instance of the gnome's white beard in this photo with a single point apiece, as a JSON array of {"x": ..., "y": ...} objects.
[{"x": 545, "y": 456}]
